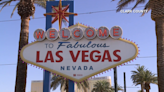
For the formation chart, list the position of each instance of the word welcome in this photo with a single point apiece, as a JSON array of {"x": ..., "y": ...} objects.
[
  {"x": 77, "y": 33},
  {"x": 94, "y": 56}
]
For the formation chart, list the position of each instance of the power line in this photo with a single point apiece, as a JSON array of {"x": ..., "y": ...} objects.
[
  {"x": 7, "y": 6},
  {"x": 148, "y": 57},
  {"x": 6, "y": 64},
  {"x": 128, "y": 87},
  {"x": 78, "y": 14},
  {"x": 132, "y": 64},
  {"x": 135, "y": 64}
]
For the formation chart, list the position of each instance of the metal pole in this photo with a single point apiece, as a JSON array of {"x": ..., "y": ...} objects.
[
  {"x": 46, "y": 74},
  {"x": 124, "y": 82},
  {"x": 115, "y": 79},
  {"x": 71, "y": 22}
]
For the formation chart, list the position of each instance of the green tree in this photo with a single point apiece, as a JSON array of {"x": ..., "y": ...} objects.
[
  {"x": 157, "y": 15},
  {"x": 104, "y": 86},
  {"x": 139, "y": 91},
  {"x": 118, "y": 88},
  {"x": 26, "y": 9},
  {"x": 143, "y": 77},
  {"x": 59, "y": 80},
  {"x": 149, "y": 78},
  {"x": 101, "y": 86}
]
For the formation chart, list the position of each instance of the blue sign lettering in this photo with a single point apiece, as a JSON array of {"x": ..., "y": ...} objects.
[
  {"x": 88, "y": 45},
  {"x": 76, "y": 68}
]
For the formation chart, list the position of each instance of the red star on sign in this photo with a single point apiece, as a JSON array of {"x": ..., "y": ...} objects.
[{"x": 60, "y": 14}]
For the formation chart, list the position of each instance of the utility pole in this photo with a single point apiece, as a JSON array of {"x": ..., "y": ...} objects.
[
  {"x": 125, "y": 75},
  {"x": 124, "y": 82},
  {"x": 115, "y": 79}
]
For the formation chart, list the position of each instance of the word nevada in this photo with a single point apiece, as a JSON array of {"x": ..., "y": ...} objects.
[{"x": 78, "y": 33}]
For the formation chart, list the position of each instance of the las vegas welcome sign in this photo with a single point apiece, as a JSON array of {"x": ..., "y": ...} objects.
[{"x": 79, "y": 52}]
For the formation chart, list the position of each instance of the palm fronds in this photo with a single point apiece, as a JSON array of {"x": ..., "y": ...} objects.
[
  {"x": 143, "y": 77},
  {"x": 57, "y": 80},
  {"x": 5, "y": 3}
]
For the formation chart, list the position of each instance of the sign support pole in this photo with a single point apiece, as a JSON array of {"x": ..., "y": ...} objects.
[
  {"x": 71, "y": 22},
  {"x": 47, "y": 74}
]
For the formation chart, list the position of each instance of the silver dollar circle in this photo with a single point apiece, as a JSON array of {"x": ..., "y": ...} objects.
[
  {"x": 77, "y": 33},
  {"x": 64, "y": 34},
  {"x": 115, "y": 32},
  {"x": 103, "y": 32},
  {"x": 39, "y": 35},
  {"x": 52, "y": 34},
  {"x": 90, "y": 33}
]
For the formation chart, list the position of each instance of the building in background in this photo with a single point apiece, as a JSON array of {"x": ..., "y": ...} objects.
[{"x": 37, "y": 86}]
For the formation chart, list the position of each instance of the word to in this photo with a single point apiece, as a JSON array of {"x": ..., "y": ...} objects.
[{"x": 77, "y": 33}]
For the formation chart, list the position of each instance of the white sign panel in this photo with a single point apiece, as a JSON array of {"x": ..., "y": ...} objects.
[{"x": 79, "y": 60}]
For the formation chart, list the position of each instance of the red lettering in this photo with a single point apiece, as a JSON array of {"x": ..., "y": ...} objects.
[
  {"x": 64, "y": 35},
  {"x": 39, "y": 34},
  {"x": 91, "y": 34},
  {"x": 102, "y": 34},
  {"x": 74, "y": 58},
  {"x": 51, "y": 35},
  {"x": 115, "y": 54},
  {"x": 75, "y": 33},
  {"x": 106, "y": 52},
  {"x": 98, "y": 56},
  {"x": 84, "y": 55},
  {"x": 49, "y": 53},
  {"x": 114, "y": 32},
  {"x": 60, "y": 57},
  {"x": 37, "y": 57}
]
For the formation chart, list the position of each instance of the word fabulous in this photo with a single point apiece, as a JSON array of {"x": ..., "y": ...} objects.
[{"x": 77, "y": 33}]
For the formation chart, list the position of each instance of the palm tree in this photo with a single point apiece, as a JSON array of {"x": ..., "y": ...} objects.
[
  {"x": 157, "y": 14},
  {"x": 139, "y": 91},
  {"x": 101, "y": 86},
  {"x": 149, "y": 78},
  {"x": 104, "y": 86},
  {"x": 137, "y": 77},
  {"x": 26, "y": 9},
  {"x": 59, "y": 80},
  {"x": 118, "y": 88},
  {"x": 143, "y": 77}
]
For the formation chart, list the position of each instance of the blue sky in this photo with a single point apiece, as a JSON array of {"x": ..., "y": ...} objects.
[{"x": 139, "y": 29}]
